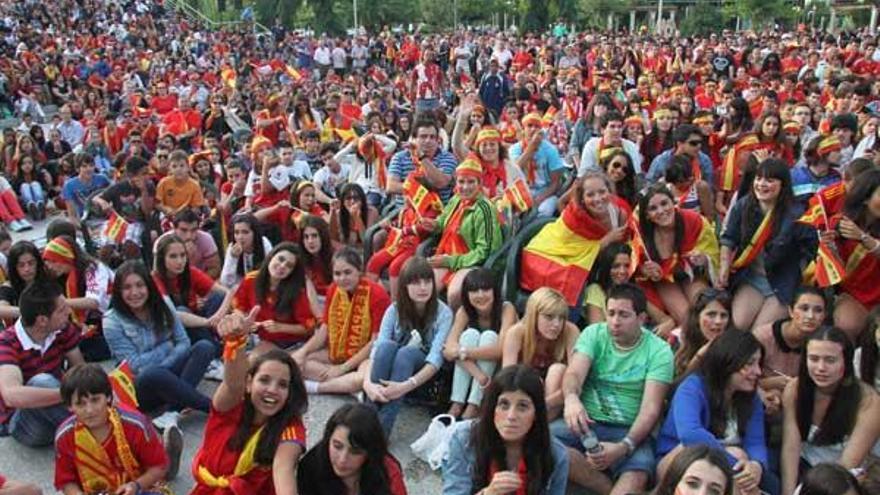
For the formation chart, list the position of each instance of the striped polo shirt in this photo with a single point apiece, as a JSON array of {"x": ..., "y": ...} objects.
[{"x": 17, "y": 349}]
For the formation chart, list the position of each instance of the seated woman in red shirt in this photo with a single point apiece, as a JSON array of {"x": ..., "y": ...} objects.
[
  {"x": 317, "y": 249},
  {"x": 352, "y": 457},
  {"x": 288, "y": 214},
  {"x": 200, "y": 301},
  {"x": 255, "y": 435},
  {"x": 286, "y": 298}
]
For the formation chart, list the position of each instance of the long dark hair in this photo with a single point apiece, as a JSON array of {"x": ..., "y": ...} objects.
[
  {"x": 868, "y": 343},
  {"x": 692, "y": 338},
  {"x": 684, "y": 459},
  {"x": 257, "y": 231},
  {"x": 840, "y": 418},
  {"x": 647, "y": 226},
  {"x": 741, "y": 120},
  {"x": 415, "y": 269},
  {"x": 288, "y": 289},
  {"x": 19, "y": 249},
  {"x": 296, "y": 405},
  {"x": 771, "y": 168},
  {"x": 854, "y": 205},
  {"x": 161, "y": 318},
  {"x": 345, "y": 220},
  {"x": 726, "y": 355},
  {"x": 626, "y": 188},
  {"x": 315, "y": 475},
  {"x": 487, "y": 443},
  {"x": 482, "y": 279},
  {"x": 323, "y": 261},
  {"x": 183, "y": 280},
  {"x": 601, "y": 271}
]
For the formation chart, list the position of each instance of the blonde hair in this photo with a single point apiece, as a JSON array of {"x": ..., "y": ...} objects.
[{"x": 548, "y": 301}]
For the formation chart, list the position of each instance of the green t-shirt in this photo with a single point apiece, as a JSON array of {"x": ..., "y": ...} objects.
[{"x": 613, "y": 390}]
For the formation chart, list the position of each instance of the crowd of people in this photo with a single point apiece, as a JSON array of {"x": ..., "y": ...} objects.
[{"x": 628, "y": 262}]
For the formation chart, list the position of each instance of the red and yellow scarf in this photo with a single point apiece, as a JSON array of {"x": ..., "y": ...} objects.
[
  {"x": 348, "y": 322},
  {"x": 371, "y": 150},
  {"x": 451, "y": 242},
  {"x": 94, "y": 465},
  {"x": 756, "y": 244}
]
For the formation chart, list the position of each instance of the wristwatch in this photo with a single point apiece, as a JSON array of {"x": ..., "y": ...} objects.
[{"x": 629, "y": 444}]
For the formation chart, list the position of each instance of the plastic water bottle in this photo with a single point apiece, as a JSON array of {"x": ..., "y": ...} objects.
[{"x": 591, "y": 442}]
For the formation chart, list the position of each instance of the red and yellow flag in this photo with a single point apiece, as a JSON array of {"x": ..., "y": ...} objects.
[
  {"x": 122, "y": 383},
  {"x": 422, "y": 199},
  {"x": 518, "y": 196},
  {"x": 116, "y": 228},
  {"x": 830, "y": 269},
  {"x": 229, "y": 77}
]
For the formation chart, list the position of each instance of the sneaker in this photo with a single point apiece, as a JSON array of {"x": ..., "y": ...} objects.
[
  {"x": 173, "y": 440},
  {"x": 25, "y": 225},
  {"x": 15, "y": 226},
  {"x": 166, "y": 420},
  {"x": 41, "y": 211},
  {"x": 215, "y": 371}
]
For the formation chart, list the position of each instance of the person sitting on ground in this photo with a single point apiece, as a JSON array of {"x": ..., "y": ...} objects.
[
  {"x": 104, "y": 447},
  {"x": 24, "y": 266},
  {"x": 697, "y": 470},
  {"x": 255, "y": 434},
  {"x": 474, "y": 342},
  {"x": 33, "y": 354},
  {"x": 509, "y": 448},
  {"x": 333, "y": 360},
  {"x": 621, "y": 363},
  {"x": 179, "y": 191}
]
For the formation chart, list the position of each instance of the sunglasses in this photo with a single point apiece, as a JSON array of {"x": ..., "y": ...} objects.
[{"x": 695, "y": 142}]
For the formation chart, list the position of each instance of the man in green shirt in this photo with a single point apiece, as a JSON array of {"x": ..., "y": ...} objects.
[{"x": 614, "y": 388}]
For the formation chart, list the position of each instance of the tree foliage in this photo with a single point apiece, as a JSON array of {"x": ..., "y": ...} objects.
[
  {"x": 704, "y": 18},
  {"x": 761, "y": 13}
]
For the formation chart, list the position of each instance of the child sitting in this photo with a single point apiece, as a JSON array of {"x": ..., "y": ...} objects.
[
  {"x": 179, "y": 191},
  {"x": 105, "y": 448}
]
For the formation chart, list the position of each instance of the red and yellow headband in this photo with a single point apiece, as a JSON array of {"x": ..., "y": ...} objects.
[
  {"x": 469, "y": 168},
  {"x": 633, "y": 121},
  {"x": 829, "y": 144},
  {"x": 58, "y": 250},
  {"x": 488, "y": 134},
  {"x": 662, "y": 113},
  {"x": 791, "y": 127},
  {"x": 704, "y": 120},
  {"x": 532, "y": 118}
]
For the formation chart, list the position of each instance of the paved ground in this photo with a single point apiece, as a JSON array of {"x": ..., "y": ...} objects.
[{"x": 37, "y": 465}]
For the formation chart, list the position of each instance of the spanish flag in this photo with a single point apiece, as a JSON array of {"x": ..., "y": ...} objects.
[
  {"x": 823, "y": 205},
  {"x": 830, "y": 269},
  {"x": 563, "y": 252},
  {"x": 549, "y": 115},
  {"x": 698, "y": 239},
  {"x": 518, "y": 196},
  {"x": 115, "y": 229},
  {"x": 122, "y": 383},
  {"x": 293, "y": 73}
]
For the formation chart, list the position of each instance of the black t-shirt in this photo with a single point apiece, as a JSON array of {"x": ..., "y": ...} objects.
[
  {"x": 721, "y": 64},
  {"x": 9, "y": 294}
]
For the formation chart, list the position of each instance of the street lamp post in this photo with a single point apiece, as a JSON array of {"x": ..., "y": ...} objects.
[{"x": 355, "y": 16}]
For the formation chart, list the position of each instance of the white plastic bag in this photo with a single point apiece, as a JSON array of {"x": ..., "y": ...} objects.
[{"x": 432, "y": 446}]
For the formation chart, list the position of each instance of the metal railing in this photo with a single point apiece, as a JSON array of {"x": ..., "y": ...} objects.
[{"x": 187, "y": 9}]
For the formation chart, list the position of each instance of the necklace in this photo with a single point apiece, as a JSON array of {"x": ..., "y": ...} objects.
[{"x": 629, "y": 347}]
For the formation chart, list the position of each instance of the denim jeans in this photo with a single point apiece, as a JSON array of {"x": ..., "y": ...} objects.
[
  {"x": 197, "y": 334},
  {"x": 396, "y": 363},
  {"x": 175, "y": 386},
  {"x": 36, "y": 427},
  {"x": 547, "y": 208},
  {"x": 464, "y": 386},
  {"x": 32, "y": 192}
]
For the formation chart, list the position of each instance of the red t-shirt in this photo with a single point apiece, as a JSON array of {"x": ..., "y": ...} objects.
[
  {"x": 200, "y": 285},
  {"x": 281, "y": 217},
  {"x": 139, "y": 432},
  {"x": 216, "y": 456},
  {"x": 245, "y": 298}
]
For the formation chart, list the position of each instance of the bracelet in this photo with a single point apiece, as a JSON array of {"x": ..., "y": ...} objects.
[
  {"x": 137, "y": 486},
  {"x": 462, "y": 353},
  {"x": 413, "y": 382},
  {"x": 231, "y": 347}
]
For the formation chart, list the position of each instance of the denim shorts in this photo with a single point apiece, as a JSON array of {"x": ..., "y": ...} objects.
[
  {"x": 642, "y": 459},
  {"x": 759, "y": 283}
]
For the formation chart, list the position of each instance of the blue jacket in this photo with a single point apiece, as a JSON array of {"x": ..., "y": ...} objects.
[
  {"x": 134, "y": 341},
  {"x": 390, "y": 329},
  {"x": 459, "y": 463},
  {"x": 792, "y": 247},
  {"x": 687, "y": 423}
]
